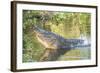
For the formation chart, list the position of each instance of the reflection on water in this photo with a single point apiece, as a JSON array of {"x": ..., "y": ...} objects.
[
  {"x": 76, "y": 54},
  {"x": 81, "y": 52}
]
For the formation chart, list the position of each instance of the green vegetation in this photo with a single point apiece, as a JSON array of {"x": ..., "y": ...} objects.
[{"x": 66, "y": 24}]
